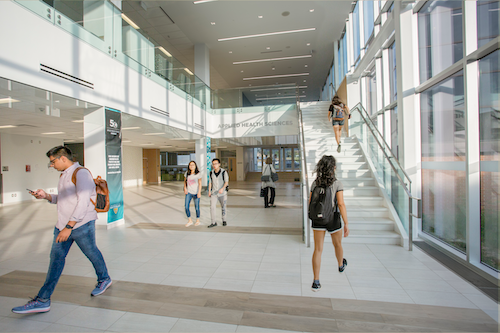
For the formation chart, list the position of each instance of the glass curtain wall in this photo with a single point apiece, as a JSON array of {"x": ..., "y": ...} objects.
[
  {"x": 488, "y": 15},
  {"x": 443, "y": 161},
  {"x": 368, "y": 19},
  {"x": 393, "y": 78},
  {"x": 355, "y": 35},
  {"x": 489, "y": 132},
  {"x": 440, "y": 36}
]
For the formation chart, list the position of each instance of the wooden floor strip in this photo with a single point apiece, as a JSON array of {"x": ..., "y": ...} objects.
[
  {"x": 293, "y": 313},
  {"x": 220, "y": 228}
]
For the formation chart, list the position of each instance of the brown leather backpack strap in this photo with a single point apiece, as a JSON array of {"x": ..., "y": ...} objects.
[{"x": 73, "y": 178}]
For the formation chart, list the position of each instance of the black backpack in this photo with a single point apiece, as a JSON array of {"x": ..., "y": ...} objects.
[{"x": 321, "y": 206}]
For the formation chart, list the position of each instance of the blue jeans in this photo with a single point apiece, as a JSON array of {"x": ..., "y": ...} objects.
[
  {"x": 84, "y": 237},
  {"x": 196, "y": 200}
]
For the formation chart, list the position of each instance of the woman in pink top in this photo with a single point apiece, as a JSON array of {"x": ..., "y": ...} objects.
[{"x": 192, "y": 190}]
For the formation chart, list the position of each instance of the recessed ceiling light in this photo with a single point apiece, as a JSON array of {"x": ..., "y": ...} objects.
[
  {"x": 268, "y": 48},
  {"x": 260, "y": 16},
  {"x": 8, "y": 126},
  {"x": 52, "y": 133},
  {"x": 273, "y": 68},
  {"x": 308, "y": 44},
  {"x": 230, "y": 51},
  {"x": 280, "y": 88},
  {"x": 266, "y": 34},
  {"x": 305, "y": 80},
  {"x": 188, "y": 71},
  {"x": 69, "y": 140},
  {"x": 129, "y": 128},
  {"x": 241, "y": 71},
  {"x": 305, "y": 66},
  {"x": 129, "y": 21},
  {"x": 302, "y": 87},
  {"x": 311, "y": 10},
  {"x": 147, "y": 144},
  {"x": 212, "y": 23},
  {"x": 271, "y": 59},
  {"x": 8, "y": 100},
  {"x": 164, "y": 51},
  {"x": 281, "y": 97},
  {"x": 202, "y": 1},
  {"x": 57, "y": 101},
  {"x": 78, "y": 121},
  {"x": 274, "y": 76}
]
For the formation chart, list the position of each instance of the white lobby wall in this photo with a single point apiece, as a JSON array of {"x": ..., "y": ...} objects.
[
  {"x": 132, "y": 166},
  {"x": 17, "y": 152}
]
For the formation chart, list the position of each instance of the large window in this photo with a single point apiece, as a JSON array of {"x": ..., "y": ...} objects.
[
  {"x": 394, "y": 132},
  {"x": 489, "y": 129},
  {"x": 439, "y": 36},
  {"x": 368, "y": 19},
  {"x": 393, "y": 78},
  {"x": 443, "y": 161},
  {"x": 344, "y": 55},
  {"x": 371, "y": 92},
  {"x": 488, "y": 14},
  {"x": 355, "y": 32}
]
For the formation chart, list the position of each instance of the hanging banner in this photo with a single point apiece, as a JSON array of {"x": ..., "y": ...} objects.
[
  {"x": 114, "y": 164},
  {"x": 209, "y": 159}
]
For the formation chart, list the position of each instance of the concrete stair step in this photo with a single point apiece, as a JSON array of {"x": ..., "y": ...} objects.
[{"x": 379, "y": 224}]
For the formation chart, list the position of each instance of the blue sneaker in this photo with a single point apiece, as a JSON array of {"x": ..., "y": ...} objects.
[
  {"x": 35, "y": 305},
  {"x": 101, "y": 287}
]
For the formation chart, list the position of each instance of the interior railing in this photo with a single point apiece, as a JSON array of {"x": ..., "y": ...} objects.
[
  {"x": 393, "y": 179},
  {"x": 304, "y": 182}
]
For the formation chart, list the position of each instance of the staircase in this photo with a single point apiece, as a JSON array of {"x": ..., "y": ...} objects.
[{"x": 370, "y": 221}]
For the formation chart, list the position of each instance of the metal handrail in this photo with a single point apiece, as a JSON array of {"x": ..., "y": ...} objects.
[
  {"x": 304, "y": 181},
  {"x": 359, "y": 107}
]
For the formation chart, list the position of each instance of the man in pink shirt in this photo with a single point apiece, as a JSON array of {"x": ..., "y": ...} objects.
[{"x": 76, "y": 217}]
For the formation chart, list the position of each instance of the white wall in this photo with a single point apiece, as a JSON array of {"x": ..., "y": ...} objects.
[
  {"x": 115, "y": 84},
  {"x": 17, "y": 152},
  {"x": 132, "y": 166}
]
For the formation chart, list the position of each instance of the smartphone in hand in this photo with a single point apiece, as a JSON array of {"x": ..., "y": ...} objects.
[{"x": 31, "y": 191}]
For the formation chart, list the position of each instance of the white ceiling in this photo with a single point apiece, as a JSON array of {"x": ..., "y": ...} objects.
[{"x": 237, "y": 18}]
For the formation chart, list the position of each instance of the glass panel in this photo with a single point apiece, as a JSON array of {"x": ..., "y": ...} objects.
[
  {"x": 488, "y": 16},
  {"x": 443, "y": 161},
  {"x": 276, "y": 159},
  {"x": 288, "y": 159},
  {"x": 265, "y": 154},
  {"x": 355, "y": 25},
  {"x": 296, "y": 159},
  {"x": 439, "y": 36},
  {"x": 394, "y": 132},
  {"x": 258, "y": 159},
  {"x": 371, "y": 92},
  {"x": 42, "y": 8},
  {"x": 344, "y": 56},
  {"x": 489, "y": 128},
  {"x": 443, "y": 206},
  {"x": 368, "y": 19},
  {"x": 392, "y": 72},
  {"x": 256, "y": 96}
]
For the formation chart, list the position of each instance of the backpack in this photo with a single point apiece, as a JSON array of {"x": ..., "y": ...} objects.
[
  {"x": 223, "y": 172},
  {"x": 321, "y": 206},
  {"x": 101, "y": 188},
  {"x": 338, "y": 112}
]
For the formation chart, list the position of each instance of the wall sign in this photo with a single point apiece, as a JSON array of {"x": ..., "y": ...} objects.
[{"x": 114, "y": 164}]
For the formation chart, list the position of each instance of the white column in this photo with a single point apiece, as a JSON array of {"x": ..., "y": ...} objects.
[
  {"x": 350, "y": 44},
  {"x": 472, "y": 166},
  {"x": 94, "y": 132},
  {"x": 200, "y": 149}
]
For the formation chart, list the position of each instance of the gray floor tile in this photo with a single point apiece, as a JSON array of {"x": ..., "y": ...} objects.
[
  {"x": 188, "y": 325},
  {"x": 95, "y": 318},
  {"x": 136, "y": 322}
]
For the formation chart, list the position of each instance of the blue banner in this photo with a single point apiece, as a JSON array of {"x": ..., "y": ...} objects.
[{"x": 114, "y": 164}]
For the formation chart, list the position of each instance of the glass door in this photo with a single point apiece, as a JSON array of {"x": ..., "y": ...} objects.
[
  {"x": 288, "y": 159},
  {"x": 296, "y": 159},
  {"x": 276, "y": 159},
  {"x": 258, "y": 159}
]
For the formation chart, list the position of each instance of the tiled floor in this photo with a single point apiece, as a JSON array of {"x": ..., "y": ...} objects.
[{"x": 255, "y": 263}]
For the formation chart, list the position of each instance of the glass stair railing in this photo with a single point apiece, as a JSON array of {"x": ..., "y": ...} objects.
[{"x": 394, "y": 181}]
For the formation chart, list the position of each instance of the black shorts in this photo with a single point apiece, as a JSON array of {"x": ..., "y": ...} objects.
[
  {"x": 331, "y": 227},
  {"x": 337, "y": 122}
]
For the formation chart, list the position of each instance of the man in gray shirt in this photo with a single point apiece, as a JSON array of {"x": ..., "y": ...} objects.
[
  {"x": 217, "y": 191},
  {"x": 76, "y": 217}
]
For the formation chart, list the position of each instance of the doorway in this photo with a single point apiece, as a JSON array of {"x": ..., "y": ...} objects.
[{"x": 232, "y": 168}]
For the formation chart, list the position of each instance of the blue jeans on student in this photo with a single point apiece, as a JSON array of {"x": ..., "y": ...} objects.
[
  {"x": 196, "y": 200},
  {"x": 84, "y": 237}
]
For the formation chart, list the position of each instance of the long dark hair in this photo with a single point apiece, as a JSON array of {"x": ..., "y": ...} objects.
[
  {"x": 337, "y": 101},
  {"x": 325, "y": 171},
  {"x": 196, "y": 171}
]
